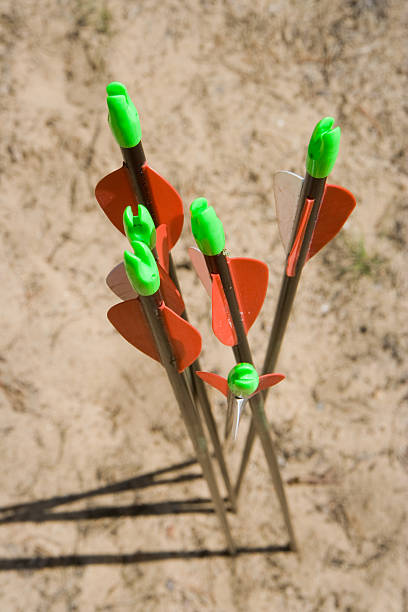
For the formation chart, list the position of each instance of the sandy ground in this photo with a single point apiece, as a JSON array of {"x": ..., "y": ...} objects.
[{"x": 228, "y": 93}]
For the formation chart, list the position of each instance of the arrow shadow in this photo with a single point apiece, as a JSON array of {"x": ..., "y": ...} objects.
[
  {"x": 150, "y": 479},
  {"x": 38, "y": 563},
  {"x": 39, "y": 512}
]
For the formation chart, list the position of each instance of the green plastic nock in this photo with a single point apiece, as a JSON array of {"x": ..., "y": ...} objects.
[
  {"x": 141, "y": 269},
  {"x": 243, "y": 380},
  {"x": 139, "y": 227},
  {"x": 323, "y": 148},
  {"x": 207, "y": 228},
  {"x": 123, "y": 117}
]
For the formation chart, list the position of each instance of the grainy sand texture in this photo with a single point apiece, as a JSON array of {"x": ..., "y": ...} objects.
[{"x": 228, "y": 92}]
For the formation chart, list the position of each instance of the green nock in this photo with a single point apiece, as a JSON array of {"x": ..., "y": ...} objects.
[
  {"x": 140, "y": 226},
  {"x": 141, "y": 269},
  {"x": 243, "y": 379},
  {"x": 207, "y": 228},
  {"x": 123, "y": 117},
  {"x": 323, "y": 148}
]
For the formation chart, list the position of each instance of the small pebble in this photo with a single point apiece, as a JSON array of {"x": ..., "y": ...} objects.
[
  {"x": 324, "y": 308},
  {"x": 320, "y": 406},
  {"x": 170, "y": 585}
]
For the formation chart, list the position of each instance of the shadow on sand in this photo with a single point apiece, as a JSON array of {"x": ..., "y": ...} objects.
[{"x": 39, "y": 512}]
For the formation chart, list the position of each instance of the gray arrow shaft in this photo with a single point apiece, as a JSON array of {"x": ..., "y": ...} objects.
[
  {"x": 134, "y": 158},
  {"x": 187, "y": 407},
  {"x": 218, "y": 264},
  {"x": 313, "y": 189}
]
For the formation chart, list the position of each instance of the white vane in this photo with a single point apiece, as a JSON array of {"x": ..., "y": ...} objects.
[{"x": 286, "y": 188}]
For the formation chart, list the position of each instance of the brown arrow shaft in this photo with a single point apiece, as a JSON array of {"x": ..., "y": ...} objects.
[{"x": 218, "y": 264}]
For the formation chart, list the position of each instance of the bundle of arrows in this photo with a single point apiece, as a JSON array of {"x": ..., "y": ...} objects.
[{"x": 152, "y": 315}]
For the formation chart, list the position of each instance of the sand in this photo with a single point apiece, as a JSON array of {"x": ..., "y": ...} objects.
[{"x": 228, "y": 93}]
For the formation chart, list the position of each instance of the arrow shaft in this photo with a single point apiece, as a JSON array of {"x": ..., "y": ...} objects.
[
  {"x": 312, "y": 189},
  {"x": 199, "y": 391},
  {"x": 189, "y": 412},
  {"x": 134, "y": 158},
  {"x": 217, "y": 264}
]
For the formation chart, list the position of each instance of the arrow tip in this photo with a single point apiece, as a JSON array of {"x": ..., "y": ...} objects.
[{"x": 243, "y": 379}]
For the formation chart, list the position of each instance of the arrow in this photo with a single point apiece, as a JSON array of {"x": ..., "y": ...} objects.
[
  {"x": 310, "y": 213},
  {"x": 137, "y": 183},
  {"x": 118, "y": 282},
  {"x": 242, "y": 383},
  {"x": 234, "y": 308},
  {"x": 129, "y": 317},
  {"x": 149, "y": 325},
  {"x": 337, "y": 205},
  {"x": 249, "y": 276},
  {"x": 141, "y": 227}
]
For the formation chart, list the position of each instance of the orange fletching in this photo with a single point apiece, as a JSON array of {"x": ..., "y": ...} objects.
[
  {"x": 162, "y": 246},
  {"x": 168, "y": 206},
  {"x": 130, "y": 321},
  {"x": 218, "y": 382},
  {"x": 250, "y": 279},
  {"x": 268, "y": 380},
  {"x": 184, "y": 338},
  {"x": 337, "y": 205},
  {"x": 222, "y": 325},
  {"x": 113, "y": 194},
  {"x": 171, "y": 295},
  {"x": 297, "y": 243}
]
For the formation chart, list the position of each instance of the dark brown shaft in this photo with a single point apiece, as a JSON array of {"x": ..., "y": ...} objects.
[
  {"x": 218, "y": 264},
  {"x": 134, "y": 159},
  {"x": 150, "y": 305},
  {"x": 312, "y": 189}
]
